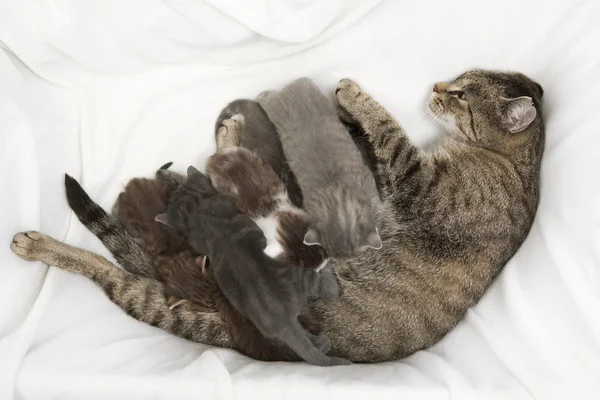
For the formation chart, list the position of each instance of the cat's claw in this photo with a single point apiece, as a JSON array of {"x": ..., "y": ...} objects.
[{"x": 173, "y": 302}]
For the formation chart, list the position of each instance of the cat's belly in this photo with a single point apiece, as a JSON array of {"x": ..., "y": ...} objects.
[{"x": 269, "y": 227}]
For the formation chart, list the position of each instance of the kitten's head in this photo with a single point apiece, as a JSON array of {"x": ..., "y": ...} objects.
[
  {"x": 343, "y": 224},
  {"x": 186, "y": 200},
  {"x": 486, "y": 106}
]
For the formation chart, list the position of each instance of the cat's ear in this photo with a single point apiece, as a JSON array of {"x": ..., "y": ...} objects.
[
  {"x": 374, "y": 241},
  {"x": 191, "y": 171},
  {"x": 162, "y": 218},
  {"x": 519, "y": 113},
  {"x": 312, "y": 237}
]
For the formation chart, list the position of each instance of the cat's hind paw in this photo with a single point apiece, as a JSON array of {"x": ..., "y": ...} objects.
[{"x": 32, "y": 246}]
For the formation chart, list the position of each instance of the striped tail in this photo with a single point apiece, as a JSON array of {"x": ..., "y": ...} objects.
[{"x": 109, "y": 230}]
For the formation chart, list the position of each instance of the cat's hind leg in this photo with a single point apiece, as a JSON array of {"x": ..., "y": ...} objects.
[
  {"x": 230, "y": 132},
  {"x": 109, "y": 230},
  {"x": 140, "y": 297}
]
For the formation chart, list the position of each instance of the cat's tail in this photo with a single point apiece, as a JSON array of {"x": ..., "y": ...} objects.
[{"x": 109, "y": 230}]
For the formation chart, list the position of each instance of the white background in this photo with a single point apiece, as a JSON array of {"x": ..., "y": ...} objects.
[{"x": 111, "y": 89}]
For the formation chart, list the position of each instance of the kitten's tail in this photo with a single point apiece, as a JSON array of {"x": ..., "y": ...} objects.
[{"x": 109, "y": 230}]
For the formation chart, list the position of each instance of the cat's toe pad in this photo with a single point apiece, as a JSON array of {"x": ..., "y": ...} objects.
[{"x": 29, "y": 245}]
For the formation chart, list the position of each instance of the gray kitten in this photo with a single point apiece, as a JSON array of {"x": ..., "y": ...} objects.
[
  {"x": 339, "y": 191},
  {"x": 268, "y": 292}
]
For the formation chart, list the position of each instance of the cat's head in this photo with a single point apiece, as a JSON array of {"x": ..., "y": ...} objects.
[
  {"x": 487, "y": 106},
  {"x": 185, "y": 200},
  {"x": 344, "y": 224}
]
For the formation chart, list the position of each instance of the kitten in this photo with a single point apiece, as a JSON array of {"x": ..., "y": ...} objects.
[
  {"x": 188, "y": 283},
  {"x": 338, "y": 188},
  {"x": 261, "y": 137},
  {"x": 255, "y": 188},
  {"x": 270, "y": 293},
  {"x": 182, "y": 271}
]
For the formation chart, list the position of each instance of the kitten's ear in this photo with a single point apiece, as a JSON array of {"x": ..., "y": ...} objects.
[
  {"x": 519, "y": 113},
  {"x": 311, "y": 238},
  {"x": 191, "y": 171},
  {"x": 162, "y": 218},
  {"x": 374, "y": 241}
]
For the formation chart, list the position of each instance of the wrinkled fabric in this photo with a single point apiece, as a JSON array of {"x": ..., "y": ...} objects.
[{"x": 106, "y": 90}]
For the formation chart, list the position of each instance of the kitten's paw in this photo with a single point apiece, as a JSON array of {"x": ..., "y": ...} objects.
[
  {"x": 350, "y": 97},
  {"x": 329, "y": 287},
  {"x": 321, "y": 341},
  {"x": 336, "y": 361},
  {"x": 229, "y": 133},
  {"x": 32, "y": 246},
  {"x": 174, "y": 301}
]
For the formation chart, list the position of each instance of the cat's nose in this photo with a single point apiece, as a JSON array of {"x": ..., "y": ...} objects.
[{"x": 439, "y": 87}]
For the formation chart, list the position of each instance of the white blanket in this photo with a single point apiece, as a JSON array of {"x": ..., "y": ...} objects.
[{"x": 111, "y": 89}]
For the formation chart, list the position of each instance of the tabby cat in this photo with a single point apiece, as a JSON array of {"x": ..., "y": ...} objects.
[{"x": 450, "y": 220}]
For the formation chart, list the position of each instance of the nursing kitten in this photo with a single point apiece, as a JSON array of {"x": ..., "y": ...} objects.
[
  {"x": 270, "y": 293},
  {"x": 183, "y": 272},
  {"x": 188, "y": 283},
  {"x": 255, "y": 188},
  {"x": 339, "y": 191},
  {"x": 450, "y": 220},
  {"x": 260, "y": 137}
]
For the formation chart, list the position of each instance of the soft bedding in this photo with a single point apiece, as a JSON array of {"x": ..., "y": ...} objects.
[{"x": 107, "y": 90}]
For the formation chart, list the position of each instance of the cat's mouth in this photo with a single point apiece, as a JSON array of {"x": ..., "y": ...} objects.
[{"x": 439, "y": 115}]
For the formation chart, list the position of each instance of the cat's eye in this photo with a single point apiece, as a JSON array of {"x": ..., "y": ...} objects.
[{"x": 458, "y": 93}]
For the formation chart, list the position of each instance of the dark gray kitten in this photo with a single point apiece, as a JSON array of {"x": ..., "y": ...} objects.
[
  {"x": 338, "y": 188},
  {"x": 270, "y": 293}
]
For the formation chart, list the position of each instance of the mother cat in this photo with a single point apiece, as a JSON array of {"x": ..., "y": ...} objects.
[{"x": 450, "y": 220}]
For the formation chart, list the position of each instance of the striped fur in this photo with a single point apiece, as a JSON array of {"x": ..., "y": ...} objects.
[{"x": 449, "y": 221}]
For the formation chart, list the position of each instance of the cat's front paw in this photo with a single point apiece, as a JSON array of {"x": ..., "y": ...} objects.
[
  {"x": 32, "y": 246},
  {"x": 229, "y": 133},
  {"x": 349, "y": 96}
]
